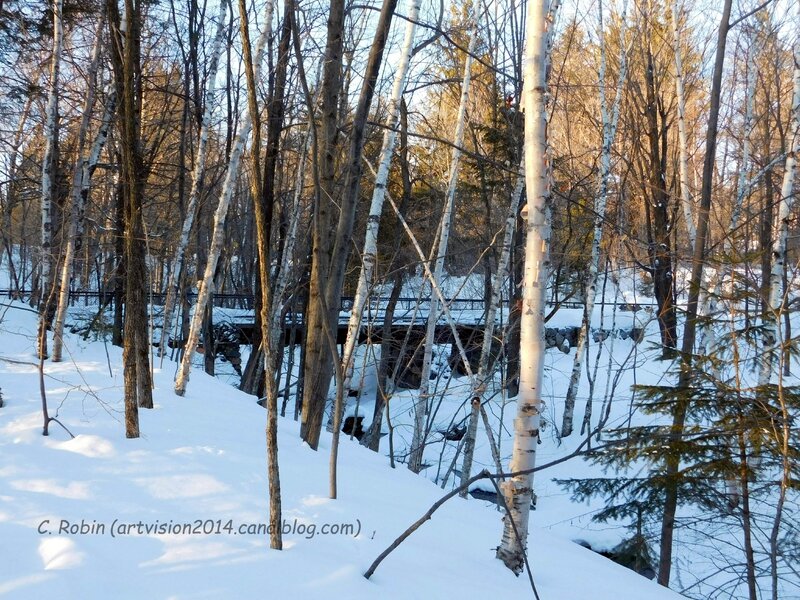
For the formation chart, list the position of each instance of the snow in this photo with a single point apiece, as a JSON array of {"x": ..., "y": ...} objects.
[{"x": 203, "y": 457}]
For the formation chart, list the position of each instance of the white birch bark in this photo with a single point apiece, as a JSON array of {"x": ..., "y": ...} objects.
[
  {"x": 480, "y": 382},
  {"x": 207, "y": 283},
  {"x": 173, "y": 283},
  {"x": 417, "y": 441},
  {"x": 48, "y": 164},
  {"x": 370, "y": 250},
  {"x": 771, "y": 342},
  {"x": 75, "y": 210},
  {"x": 609, "y": 122},
  {"x": 683, "y": 160},
  {"x": 518, "y": 489}
]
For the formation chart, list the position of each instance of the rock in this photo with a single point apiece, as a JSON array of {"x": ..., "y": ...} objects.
[{"x": 350, "y": 422}]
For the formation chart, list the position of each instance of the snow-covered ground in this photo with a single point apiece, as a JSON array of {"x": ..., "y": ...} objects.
[{"x": 201, "y": 458}]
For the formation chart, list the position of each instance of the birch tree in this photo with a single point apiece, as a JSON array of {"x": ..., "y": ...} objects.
[
  {"x": 198, "y": 174},
  {"x": 482, "y": 377},
  {"x": 420, "y": 406},
  {"x": 519, "y": 489},
  {"x": 48, "y": 168},
  {"x": 776, "y": 291},
  {"x": 610, "y": 119},
  {"x": 369, "y": 253},
  {"x": 218, "y": 235},
  {"x": 81, "y": 176}
]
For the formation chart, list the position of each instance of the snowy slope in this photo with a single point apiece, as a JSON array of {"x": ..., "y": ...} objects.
[{"x": 202, "y": 457}]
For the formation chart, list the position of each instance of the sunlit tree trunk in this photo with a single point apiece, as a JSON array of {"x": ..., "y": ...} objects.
[
  {"x": 332, "y": 244},
  {"x": 81, "y": 180},
  {"x": 518, "y": 489},
  {"x": 126, "y": 59}
]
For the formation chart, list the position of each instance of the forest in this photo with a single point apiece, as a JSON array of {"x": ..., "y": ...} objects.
[{"x": 519, "y": 276}]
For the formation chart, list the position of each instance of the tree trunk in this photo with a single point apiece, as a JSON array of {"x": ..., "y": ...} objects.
[
  {"x": 659, "y": 249},
  {"x": 369, "y": 254},
  {"x": 198, "y": 174},
  {"x": 330, "y": 253},
  {"x": 318, "y": 365},
  {"x": 218, "y": 235},
  {"x": 609, "y": 124},
  {"x": 683, "y": 144},
  {"x": 672, "y": 462},
  {"x": 125, "y": 36},
  {"x": 772, "y": 342},
  {"x": 263, "y": 200},
  {"x": 75, "y": 198},
  {"x": 518, "y": 490},
  {"x": 49, "y": 166},
  {"x": 481, "y": 381},
  {"x": 420, "y": 406},
  {"x": 709, "y": 305}
]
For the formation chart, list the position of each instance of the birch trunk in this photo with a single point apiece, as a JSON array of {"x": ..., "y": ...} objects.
[
  {"x": 173, "y": 283},
  {"x": 417, "y": 440},
  {"x": 518, "y": 490},
  {"x": 479, "y": 386},
  {"x": 79, "y": 173},
  {"x": 776, "y": 291},
  {"x": 207, "y": 283},
  {"x": 370, "y": 251},
  {"x": 683, "y": 160},
  {"x": 48, "y": 166},
  {"x": 609, "y": 122}
]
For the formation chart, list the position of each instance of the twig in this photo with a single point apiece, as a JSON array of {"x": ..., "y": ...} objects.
[
  {"x": 435, "y": 506},
  {"x": 416, "y": 525}
]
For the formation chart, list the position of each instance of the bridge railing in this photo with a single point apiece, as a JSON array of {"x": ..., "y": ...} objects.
[{"x": 247, "y": 301}]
